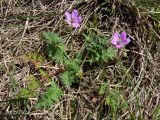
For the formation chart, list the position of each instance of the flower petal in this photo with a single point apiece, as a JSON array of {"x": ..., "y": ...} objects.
[
  {"x": 126, "y": 41},
  {"x": 78, "y": 19},
  {"x": 119, "y": 46},
  {"x": 74, "y": 14},
  {"x": 75, "y": 25},
  {"x": 68, "y": 16},
  {"x": 115, "y": 38},
  {"x": 69, "y": 22},
  {"x": 123, "y": 35}
]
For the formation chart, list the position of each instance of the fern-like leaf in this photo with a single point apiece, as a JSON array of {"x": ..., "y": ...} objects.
[
  {"x": 55, "y": 48},
  {"x": 52, "y": 38},
  {"x": 31, "y": 90},
  {"x": 98, "y": 49},
  {"x": 51, "y": 96}
]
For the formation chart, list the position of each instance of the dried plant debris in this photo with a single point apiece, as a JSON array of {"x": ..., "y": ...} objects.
[{"x": 79, "y": 59}]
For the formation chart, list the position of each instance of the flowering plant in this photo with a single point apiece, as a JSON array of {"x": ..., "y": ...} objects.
[
  {"x": 73, "y": 18},
  {"x": 120, "y": 40}
]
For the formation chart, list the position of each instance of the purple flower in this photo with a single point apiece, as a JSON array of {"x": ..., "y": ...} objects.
[
  {"x": 120, "y": 40},
  {"x": 73, "y": 19}
]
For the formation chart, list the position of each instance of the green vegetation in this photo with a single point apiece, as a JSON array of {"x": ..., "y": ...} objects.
[
  {"x": 50, "y": 69},
  {"x": 98, "y": 49}
]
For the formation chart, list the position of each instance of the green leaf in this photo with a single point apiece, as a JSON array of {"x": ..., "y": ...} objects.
[
  {"x": 68, "y": 78},
  {"x": 51, "y": 37},
  {"x": 56, "y": 51},
  {"x": 98, "y": 49},
  {"x": 31, "y": 89},
  {"x": 116, "y": 102},
  {"x": 103, "y": 88},
  {"x": 51, "y": 96},
  {"x": 55, "y": 48}
]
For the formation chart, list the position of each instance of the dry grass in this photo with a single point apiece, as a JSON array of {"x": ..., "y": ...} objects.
[{"x": 136, "y": 76}]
